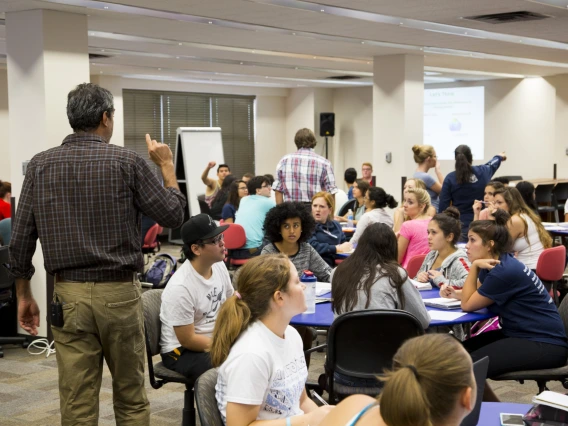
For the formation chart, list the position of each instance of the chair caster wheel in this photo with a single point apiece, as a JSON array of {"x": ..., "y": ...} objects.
[{"x": 25, "y": 344}]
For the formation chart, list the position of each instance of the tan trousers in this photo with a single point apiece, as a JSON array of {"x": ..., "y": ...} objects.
[{"x": 101, "y": 320}]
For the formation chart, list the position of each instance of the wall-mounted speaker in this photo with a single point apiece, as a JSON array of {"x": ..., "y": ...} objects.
[{"x": 327, "y": 124}]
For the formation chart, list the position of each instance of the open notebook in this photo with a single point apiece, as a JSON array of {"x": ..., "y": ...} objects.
[
  {"x": 443, "y": 303},
  {"x": 421, "y": 286}
]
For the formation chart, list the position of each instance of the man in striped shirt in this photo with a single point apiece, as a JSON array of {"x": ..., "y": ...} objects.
[{"x": 302, "y": 174}]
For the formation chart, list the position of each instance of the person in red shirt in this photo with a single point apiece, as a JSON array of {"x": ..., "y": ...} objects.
[{"x": 5, "y": 196}]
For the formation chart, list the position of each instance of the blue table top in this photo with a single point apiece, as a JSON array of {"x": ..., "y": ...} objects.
[
  {"x": 490, "y": 412},
  {"x": 323, "y": 317}
]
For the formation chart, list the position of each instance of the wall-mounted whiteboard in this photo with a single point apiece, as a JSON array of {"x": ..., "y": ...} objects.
[
  {"x": 196, "y": 146},
  {"x": 452, "y": 117}
]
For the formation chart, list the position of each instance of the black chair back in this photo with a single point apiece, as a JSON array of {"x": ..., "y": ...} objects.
[
  {"x": 6, "y": 280},
  {"x": 345, "y": 207},
  {"x": 204, "y": 207},
  {"x": 561, "y": 192},
  {"x": 363, "y": 343},
  {"x": 543, "y": 193},
  {"x": 511, "y": 178}
]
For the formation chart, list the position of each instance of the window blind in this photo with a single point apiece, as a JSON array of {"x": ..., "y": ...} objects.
[{"x": 161, "y": 113}]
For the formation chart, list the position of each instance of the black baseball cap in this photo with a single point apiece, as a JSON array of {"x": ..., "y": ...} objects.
[{"x": 200, "y": 227}]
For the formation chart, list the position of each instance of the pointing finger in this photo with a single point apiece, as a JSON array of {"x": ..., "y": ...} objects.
[{"x": 148, "y": 141}]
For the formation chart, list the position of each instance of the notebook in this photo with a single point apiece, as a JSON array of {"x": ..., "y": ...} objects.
[
  {"x": 443, "y": 303},
  {"x": 480, "y": 373},
  {"x": 421, "y": 286}
]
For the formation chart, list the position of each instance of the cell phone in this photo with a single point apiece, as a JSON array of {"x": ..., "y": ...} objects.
[
  {"x": 508, "y": 419},
  {"x": 319, "y": 398}
]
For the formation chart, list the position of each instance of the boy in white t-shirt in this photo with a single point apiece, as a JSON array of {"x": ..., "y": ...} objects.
[{"x": 193, "y": 297}]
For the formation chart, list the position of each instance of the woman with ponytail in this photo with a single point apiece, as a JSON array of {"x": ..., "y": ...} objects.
[
  {"x": 466, "y": 184},
  {"x": 263, "y": 372},
  {"x": 376, "y": 200},
  {"x": 532, "y": 336},
  {"x": 431, "y": 384},
  {"x": 425, "y": 157}
]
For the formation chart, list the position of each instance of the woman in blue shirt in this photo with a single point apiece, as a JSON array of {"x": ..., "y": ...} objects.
[
  {"x": 237, "y": 191},
  {"x": 532, "y": 336},
  {"x": 466, "y": 184}
]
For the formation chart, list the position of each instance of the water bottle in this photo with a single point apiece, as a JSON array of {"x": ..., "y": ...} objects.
[
  {"x": 309, "y": 280},
  {"x": 350, "y": 218}
]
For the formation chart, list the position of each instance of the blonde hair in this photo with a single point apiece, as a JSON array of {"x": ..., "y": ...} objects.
[
  {"x": 329, "y": 201},
  {"x": 429, "y": 373},
  {"x": 418, "y": 183},
  {"x": 422, "y": 152},
  {"x": 422, "y": 197},
  {"x": 257, "y": 282},
  {"x": 367, "y": 164}
]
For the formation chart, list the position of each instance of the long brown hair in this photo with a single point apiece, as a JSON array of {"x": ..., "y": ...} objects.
[
  {"x": 363, "y": 186},
  {"x": 517, "y": 205},
  {"x": 376, "y": 257},
  {"x": 257, "y": 282},
  {"x": 429, "y": 373}
]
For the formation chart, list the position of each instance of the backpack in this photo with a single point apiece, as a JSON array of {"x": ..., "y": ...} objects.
[{"x": 161, "y": 270}]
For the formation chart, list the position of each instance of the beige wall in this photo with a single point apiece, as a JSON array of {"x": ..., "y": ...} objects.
[{"x": 5, "y": 165}]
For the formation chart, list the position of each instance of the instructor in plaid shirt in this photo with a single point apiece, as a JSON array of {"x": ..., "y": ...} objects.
[{"x": 301, "y": 175}]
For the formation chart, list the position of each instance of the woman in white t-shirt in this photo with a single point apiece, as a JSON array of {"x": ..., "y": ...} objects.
[
  {"x": 528, "y": 234},
  {"x": 263, "y": 372}
]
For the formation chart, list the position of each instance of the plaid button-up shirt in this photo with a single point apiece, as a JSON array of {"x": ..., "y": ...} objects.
[
  {"x": 84, "y": 200},
  {"x": 301, "y": 175}
]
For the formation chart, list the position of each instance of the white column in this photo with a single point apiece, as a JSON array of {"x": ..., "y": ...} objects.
[
  {"x": 398, "y": 104},
  {"x": 47, "y": 57}
]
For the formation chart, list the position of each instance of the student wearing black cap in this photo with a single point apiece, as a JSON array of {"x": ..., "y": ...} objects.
[{"x": 193, "y": 297}]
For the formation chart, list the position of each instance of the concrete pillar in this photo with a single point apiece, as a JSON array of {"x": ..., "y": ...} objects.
[
  {"x": 398, "y": 105},
  {"x": 47, "y": 57}
]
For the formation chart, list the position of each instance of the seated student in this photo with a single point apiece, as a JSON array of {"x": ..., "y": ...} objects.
[
  {"x": 213, "y": 186},
  {"x": 237, "y": 191},
  {"x": 5, "y": 200},
  {"x": 532, "y": 336},
  {"x": 328, "y": 239},
  {"x": 527, "y": 191},
  {"x": 251, "y": 214},
  {"x": 192, "y": 298},
  {"x": 480, "y": 213},
  {"x": 413, "y": 234},
  {"x": 376, "y": 200},
  {"x": 350, "y": 176},
  {"x": 247, "y": 177},
  {"x": 431, "y": 383},
  {"x": 270, "y": 182},
  {"x": 445, "y": 264},
  {"x": 288, "y": 227},
  {"x": 399, "y": 216},
  {"x": 262, "y": 371},
  {"x": 221, "y": 198},
  {"x": 528, "y": 234},
  {"x": 360, "y": 188},
  {"x": 371, "y": 278},
  {"x": 425, "y": 157}
]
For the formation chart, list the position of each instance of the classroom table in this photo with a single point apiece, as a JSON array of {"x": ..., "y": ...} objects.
[
  {"x": 540, "y": 181},
  {"x": 490, "y": 411},
  {"x": 323, "y": 317},
  {"x": 560, "y": 229}
]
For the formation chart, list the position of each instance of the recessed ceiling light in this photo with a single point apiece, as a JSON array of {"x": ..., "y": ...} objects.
[
  {"x": 241, "y": 63},
  {"x": 159, "y": 69},
  {"x": 362, "y": 42},
  {"x": 105, "y": 7},
  {"x": 293, "y": 33},
  {"x": 315, "y": 57},
  {"x": 102, "y": 50},
  {"x": 101, "y": 72},
  {"x": 210, "y": 22},
  {"x": 177, "y": 57},
  {"x": 179, "y": 44}
]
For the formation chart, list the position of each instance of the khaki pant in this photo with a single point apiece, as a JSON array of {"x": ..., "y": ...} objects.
[{"x": 101, "y": 320}]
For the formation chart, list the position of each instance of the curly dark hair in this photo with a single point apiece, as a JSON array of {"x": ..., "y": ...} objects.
[{"x": 288, "y": 210}]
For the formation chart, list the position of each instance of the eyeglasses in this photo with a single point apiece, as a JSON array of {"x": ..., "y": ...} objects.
[
  {"x": 265, "y": 186},
  {"x": 242, "y": 188},
  {"x": 215, "y": 241}
]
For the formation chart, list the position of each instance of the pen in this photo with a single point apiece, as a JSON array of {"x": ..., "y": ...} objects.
[{"x": 319, "y": 398}]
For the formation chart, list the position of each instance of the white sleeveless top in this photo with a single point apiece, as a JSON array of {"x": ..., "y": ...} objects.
[{"x": 528, "y": 252}]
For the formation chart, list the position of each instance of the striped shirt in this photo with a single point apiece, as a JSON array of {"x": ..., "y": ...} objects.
[
  {"x": 84, "y": 200},
  {"x": 301, "y": 175}
]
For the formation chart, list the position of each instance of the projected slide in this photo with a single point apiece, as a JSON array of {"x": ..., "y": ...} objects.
[{"x": 453, "y": 117}]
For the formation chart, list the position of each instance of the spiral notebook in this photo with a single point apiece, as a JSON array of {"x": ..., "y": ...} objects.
[{"x": 443, "y": 303}]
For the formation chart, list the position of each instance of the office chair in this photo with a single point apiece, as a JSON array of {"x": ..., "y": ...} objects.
[
  {"x": 8, "y": 297},
  {"x": 207, "y": 408}
]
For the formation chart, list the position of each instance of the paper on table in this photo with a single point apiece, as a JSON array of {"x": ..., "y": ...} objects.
[
  {"x": 322, "y": 288},
  {"x": 445, "y": 315},
  {"x": 553, "y": 399},
  {"x": 421, "y": 286}
]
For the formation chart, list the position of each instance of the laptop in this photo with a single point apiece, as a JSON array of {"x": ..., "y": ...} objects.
[{"x": 480, "y": 373}]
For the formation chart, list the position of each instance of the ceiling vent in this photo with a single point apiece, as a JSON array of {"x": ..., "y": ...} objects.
[
  {"x": 97, "y": 56},
  {"x": 505, "y": 18},
  {"x": 343, "y": 77}
]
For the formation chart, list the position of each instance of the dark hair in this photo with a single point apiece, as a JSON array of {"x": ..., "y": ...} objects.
[
  {"x": 257, "y": 281},
  {"x": 234, "y": 198},
  {"x": 5, "y": 187},
  {"x": 449, "y": 223},
  {"x": 305, "y": 138},
  {"x": 464, "y": 159},
  {"x": 526, "y": 189},
  {"x": 363, "y": 186},
  {"x": 270, "y": 178},
  {"x": 256, "y": 183},
  {"x": 86, "y": 105},
  {"x": 503, "y": 179},
  {"x": 221, "y": 198},
  {"x": 223, "y": 165},
  {"x": 350, "y": 175},
  {"x": 288, "y": 210},
  {"x": 376, "y": 256},
  {"x": 381, "y": 198},
  {"x": 494, "y": 230},
  {"x": 248, "y": 175},
  {"x": 495, "y": 184}
]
